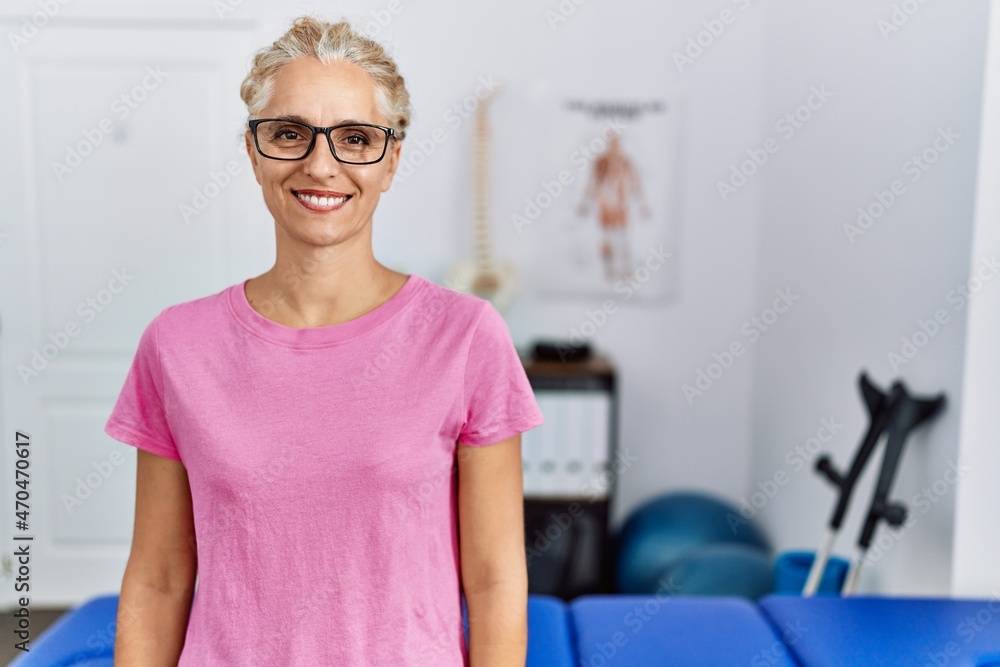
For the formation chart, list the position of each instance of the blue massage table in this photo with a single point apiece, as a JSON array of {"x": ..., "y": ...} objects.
[
  {"x": 651, "y": 631},
  {"x": 84, "y": 636}
]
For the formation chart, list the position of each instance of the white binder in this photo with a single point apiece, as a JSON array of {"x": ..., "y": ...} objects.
[{"x": 566, "y": 455}]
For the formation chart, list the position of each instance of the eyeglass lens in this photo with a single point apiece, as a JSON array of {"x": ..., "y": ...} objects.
[{"x": 351, "y": 143}]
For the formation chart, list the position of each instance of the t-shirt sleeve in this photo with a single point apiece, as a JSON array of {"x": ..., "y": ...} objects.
[
  {"x": 139, "y": 417},
  {"x": 498, "y": 399}
]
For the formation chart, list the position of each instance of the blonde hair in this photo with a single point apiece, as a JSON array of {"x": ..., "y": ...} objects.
[{"x": 310, "y": 36}]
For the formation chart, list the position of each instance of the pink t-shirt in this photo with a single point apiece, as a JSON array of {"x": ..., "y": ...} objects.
[{"x": 322, "y": 469}]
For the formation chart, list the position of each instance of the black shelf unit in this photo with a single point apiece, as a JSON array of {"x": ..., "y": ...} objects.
[{"x": 573, "y": 530}]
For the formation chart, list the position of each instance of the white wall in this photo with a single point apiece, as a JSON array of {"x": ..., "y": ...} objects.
[
  {"x": 422, "y": 224},
  {"x": 977, "y": 540},
  {"x": 891, "y": 94},
  {"x": 782, "y": 230}
]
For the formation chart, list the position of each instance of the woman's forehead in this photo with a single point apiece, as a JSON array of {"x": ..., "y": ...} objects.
[{"x": 324, "y": 93}]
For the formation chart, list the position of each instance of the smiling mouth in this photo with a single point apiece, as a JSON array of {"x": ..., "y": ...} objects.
[{"x": 321, "y": 201}]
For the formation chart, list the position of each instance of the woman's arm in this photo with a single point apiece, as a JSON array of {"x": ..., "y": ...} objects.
[
  {"x": 491, "y": 544},
  {"x": 159, "y": 580}
]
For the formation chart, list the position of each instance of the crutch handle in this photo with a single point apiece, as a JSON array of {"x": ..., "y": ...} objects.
[
  {"x": 909, "y": 413},
  {"x": 879, "y": 404},
  {"x": 893, "y": 513},
  {"x": 825, "y": 466}
]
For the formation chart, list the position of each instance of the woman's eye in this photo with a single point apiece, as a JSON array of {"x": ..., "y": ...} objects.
[
  {"x": 360, "y": 139},
  {"x": 288, "y": 135}
]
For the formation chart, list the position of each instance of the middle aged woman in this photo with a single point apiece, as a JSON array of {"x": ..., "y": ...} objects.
[{"x": 341, "y": 442}]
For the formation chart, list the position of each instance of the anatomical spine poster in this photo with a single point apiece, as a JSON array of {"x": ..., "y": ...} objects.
[{"x": 609, "y": 209}]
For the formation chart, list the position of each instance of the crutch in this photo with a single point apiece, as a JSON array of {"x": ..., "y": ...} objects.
[
  {"x": 879, "y": 407},
  {"x": 908, "y": 413}
]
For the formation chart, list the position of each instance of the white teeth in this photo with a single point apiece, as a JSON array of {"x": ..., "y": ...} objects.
[{"x": 322, "y": 201}]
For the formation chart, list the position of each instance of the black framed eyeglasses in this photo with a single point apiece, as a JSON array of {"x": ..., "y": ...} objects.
[{"x": 350, "y": 143}]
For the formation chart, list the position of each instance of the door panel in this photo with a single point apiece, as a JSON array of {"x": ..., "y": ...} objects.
[{"x": 108, "y": 131}]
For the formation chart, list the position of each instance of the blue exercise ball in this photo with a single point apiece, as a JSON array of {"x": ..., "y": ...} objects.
[
  {"x": 722, "y": 568},
  {"x": 664, "y": 529}
]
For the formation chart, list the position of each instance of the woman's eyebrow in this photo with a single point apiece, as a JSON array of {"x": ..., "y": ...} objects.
[{"x": 295, "y": 118}]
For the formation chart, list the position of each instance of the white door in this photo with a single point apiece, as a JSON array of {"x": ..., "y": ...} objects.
[{"x": 124, "y": 188}]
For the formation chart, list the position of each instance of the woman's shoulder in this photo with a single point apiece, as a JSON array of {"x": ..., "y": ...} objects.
[
  {"x": 185, "y": 317},
  {"x": 450, "y": 305}
]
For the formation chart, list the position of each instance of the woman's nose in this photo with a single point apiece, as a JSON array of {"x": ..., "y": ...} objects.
[{"x": 320, "y": 163}]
